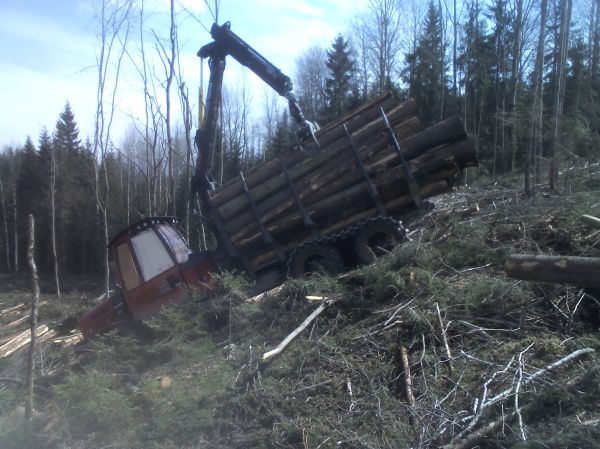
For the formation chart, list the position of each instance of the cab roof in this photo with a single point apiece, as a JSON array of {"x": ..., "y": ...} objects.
[{"x": 142, "y": 225}]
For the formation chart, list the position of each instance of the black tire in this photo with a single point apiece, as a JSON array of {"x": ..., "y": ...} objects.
[
  {"x": 315, "y": 259},
  {"x": 375, "y": 239}
]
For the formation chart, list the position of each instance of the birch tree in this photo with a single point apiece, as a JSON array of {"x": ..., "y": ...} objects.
[
  {"x": 561, "y": 45},
  {"x": 113, "y": 38},
  {"x": 537, "y": 107}
]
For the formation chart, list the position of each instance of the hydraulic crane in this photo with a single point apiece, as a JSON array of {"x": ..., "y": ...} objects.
[{"x": 227, "y": 43}]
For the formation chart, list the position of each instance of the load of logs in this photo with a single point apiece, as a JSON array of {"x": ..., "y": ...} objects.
[{"x": 354, "y": 172}]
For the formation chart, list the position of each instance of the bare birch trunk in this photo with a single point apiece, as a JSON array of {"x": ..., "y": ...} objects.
[
  {"x": 5, "y": 226},
  {"x": 559, "y": 88},
  {"x": 53, "y": 219},
  {"x": 455, "y": 30},
  {"x": 16, "y": 229},
  {"x": 34, "y": 318},
  {"x": 516, "y": 74},
  {"x": 595, "y": 38},
  {"x": 113, "y": 22},
  {"x": 187, "y": 121},
  {"x": 171, "y": 73},
  {"x": 537, "y": 109}
]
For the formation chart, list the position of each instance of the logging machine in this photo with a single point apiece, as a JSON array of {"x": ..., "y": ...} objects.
[{"x": 330, "y": 202}]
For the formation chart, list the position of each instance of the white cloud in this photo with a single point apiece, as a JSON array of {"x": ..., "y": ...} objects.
[
  {"x": 37, "y": 99},
  {"x": 304, "y": 7}
]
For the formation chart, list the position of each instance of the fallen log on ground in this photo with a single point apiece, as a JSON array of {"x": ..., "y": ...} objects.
[
  {"x": 14, "y": 323},
  {"x": 68, "y": 340},
  {"x": 580, "y": 271},
  {"x": 20, "y": 340},
  {"x": 12, "y": 309},
  {"x": 287, "y": 340},
  {"x": 591, "y": 220}
]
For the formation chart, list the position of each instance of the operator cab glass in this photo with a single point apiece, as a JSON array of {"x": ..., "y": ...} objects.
[
  {"x": 151, "y": 254},
  {"x": 148, "y": 249},
  {"x": 129, "y": 273},
  {"x": 175, "y": 242}
]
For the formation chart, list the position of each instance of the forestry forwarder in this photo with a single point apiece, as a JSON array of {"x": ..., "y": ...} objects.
[
  {"x": 153, "y": 263},
  {"x": 151, "y": 259}
]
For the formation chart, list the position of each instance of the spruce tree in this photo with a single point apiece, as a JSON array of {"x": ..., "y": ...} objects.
[
  {"x": 282, "y": 139},
  {"x": 28, "y": 192},
  {"x": 476, "y": 61},
  {"x": 74, "y": 194},
  {"x": 45, "y": 222},
  {"x": 426, "y": 72},
  {"x": 67, "y": 134},
  {"x": 338, "y": 86}
]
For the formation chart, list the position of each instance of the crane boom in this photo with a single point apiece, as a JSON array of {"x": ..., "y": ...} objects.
[{"x": 227, "y": 43}]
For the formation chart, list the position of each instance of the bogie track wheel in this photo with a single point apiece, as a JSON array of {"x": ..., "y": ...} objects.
[
  {"x": 375, "y": 239},
  {"x": 315, "y": 259}
]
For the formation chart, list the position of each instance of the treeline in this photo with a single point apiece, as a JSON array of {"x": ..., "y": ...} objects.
[{"x": 523, "y": 75}]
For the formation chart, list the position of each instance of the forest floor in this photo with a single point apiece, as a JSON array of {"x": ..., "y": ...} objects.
[{"x": 196, "y": 379}]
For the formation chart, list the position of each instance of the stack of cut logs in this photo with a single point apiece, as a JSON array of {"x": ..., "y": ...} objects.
[{"x": 330, "y": 184}]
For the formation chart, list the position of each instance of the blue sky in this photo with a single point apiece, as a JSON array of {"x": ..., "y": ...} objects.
[{"x": 48, "y": 52}]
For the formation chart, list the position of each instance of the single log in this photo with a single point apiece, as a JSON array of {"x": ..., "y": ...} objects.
[
  {"x": 591, "y": 220},
  {"x": 444, "y": 339},
  {"x": 14, "y": 323},
  {"x": 367, "y": 111},
  {"x": 287, "y": 340},
  {"x": 12, "y": 309},
  {"x": 68, "y": 340},
  {"x": 446, "y": 131},
  {"x": 325, "y": 137},
  {"x": 410, "y": 397},
  {"x": 266, "y": 295},
  {"x": 581, "y": 271}
]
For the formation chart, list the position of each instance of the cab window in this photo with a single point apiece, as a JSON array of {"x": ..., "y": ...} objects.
[
  {"x": 129, "y": 274},
  {"x": 151, "y": 254},
  {"x": 176, "y": 242}
]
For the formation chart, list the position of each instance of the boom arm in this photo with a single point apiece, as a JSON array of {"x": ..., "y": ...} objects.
[{"x": 226, "y": 42}]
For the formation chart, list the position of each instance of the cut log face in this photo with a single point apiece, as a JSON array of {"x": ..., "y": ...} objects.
[{"x": 334, "y": 188}]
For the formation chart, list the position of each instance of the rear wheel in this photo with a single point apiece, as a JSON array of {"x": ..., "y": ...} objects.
[
  {"x": 375, "y": 239},
  {"x": 314, "y": 259}
]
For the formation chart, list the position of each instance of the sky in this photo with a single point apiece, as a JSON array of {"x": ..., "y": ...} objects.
[{"x": 49, "y": 49}]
